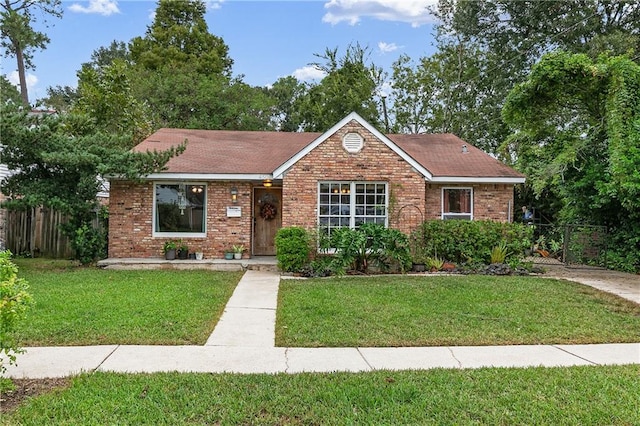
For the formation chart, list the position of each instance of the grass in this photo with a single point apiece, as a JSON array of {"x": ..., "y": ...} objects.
[
  {"x": 89, "y": 306},
  {"x": 568, "y": 396},
  {"x": 450, "y": 310}
]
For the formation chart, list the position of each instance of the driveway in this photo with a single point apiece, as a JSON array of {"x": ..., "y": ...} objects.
[{"x": 620, "y": 283}]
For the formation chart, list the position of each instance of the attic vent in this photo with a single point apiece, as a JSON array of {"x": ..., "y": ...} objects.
[{"x": 352, "y": 142}]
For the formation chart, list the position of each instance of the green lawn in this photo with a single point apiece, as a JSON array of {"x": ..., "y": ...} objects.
[
  {"x": 90, "y": 306},
  {"x": 449, "y": 310},
  {"x": 590, "y": 395}
]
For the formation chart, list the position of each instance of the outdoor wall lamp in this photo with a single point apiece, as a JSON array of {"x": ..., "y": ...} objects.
[
  {"x": 267, "y": 183},
  {"x": 234, "y": 194}
]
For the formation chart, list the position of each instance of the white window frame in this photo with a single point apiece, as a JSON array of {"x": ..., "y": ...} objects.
[
  {"x": 352, "y": 200},
  {"x": 179, "y": 234},
  {"x": 459, "y": 216}
]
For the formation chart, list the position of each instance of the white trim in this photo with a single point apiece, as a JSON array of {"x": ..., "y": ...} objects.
[
  {"x": 467, "y": 180},
  {"x": 204, "y": 176},
  {"x": 279, "y": 172},
  {"x": 155, "y": 234},
  {"x": 352, "y": 199},
  {"x": 442, "y": 213}
]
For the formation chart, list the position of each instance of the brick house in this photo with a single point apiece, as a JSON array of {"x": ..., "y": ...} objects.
[{"x": 239, "y": 187}]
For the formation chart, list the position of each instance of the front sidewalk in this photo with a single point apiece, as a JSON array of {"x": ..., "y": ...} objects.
[{"x": 244, "y": 342}]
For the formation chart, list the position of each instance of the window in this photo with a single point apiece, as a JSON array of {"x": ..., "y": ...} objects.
[
  {"x": 179, "y": 210},
  {"x": 349, "y": 204},
  {"x": 457, "y": 203}
]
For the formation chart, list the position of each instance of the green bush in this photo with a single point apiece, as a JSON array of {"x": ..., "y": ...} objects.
[
  {"x": 89, "y": 244},
  {"x": 370, "y": 245},
  {"x": 292, "y": 249},
  {"x": 14, "y": 302},
  {"x": 469, "y": 242}
]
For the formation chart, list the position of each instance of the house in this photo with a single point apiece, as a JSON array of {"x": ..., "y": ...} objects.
[{"x": 240, "y": 187}]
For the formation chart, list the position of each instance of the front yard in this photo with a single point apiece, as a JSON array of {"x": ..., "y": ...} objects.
[
  {"x": 88, "y": 306},
  {"x": 449, "y": 310}
]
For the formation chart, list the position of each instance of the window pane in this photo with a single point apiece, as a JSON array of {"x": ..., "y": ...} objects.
[
  {"x": 324, "y": 188},
  {"x": 180, "y": 208},
  {"x": 457, "y": 201}
]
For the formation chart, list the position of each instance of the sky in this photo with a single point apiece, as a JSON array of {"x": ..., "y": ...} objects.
[{"x": 267, "y": 39}]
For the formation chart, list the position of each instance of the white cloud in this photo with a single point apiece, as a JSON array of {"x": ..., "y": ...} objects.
[
  {"x": 308, "y": 73},
  {"x": 213, "y": 4},
  {"x": 387, "y": 47},
  {"x": 414, "y": 12},
  {"x": 102, "y": 7},
  {"x": 14, "y": 79}
]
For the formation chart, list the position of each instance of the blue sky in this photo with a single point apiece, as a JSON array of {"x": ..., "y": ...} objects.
[{"x": 267, "y": 39}]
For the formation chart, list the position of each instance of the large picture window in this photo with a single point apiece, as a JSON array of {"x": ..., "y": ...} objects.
[
  {"x": 350, "y": 204},
  {"x": 457, "y": 203},
  {"x": 179, "y": 209}
]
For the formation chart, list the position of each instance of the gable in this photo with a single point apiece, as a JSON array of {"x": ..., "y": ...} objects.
[{"x": 353, "y": 117}]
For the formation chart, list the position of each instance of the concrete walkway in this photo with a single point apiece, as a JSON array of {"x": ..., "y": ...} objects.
[{"x": 243, "y": 342}]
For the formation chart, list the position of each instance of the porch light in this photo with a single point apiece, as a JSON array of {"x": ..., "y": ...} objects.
[
  {"x": 267, "y": 183},
  {"x": 234, "y": 194}
]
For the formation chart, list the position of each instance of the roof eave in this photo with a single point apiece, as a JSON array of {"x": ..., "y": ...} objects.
[{"x": 476, "y": 179}]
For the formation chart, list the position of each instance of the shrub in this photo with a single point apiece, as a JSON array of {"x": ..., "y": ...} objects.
[
  {"x": 471, "y": 242},
  {"x": 89, "y": 244},
  {"x": 14, "y": 302},
  {"x": 499, "y": 253},
  {"x": 292, "y": 249},
  {"x": 370, "y": 245}
]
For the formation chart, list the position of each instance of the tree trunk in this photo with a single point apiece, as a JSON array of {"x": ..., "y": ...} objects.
[{"x": 21, "y": 75}]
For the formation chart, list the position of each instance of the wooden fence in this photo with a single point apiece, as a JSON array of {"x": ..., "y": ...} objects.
[{"x": 37, "y": 232}]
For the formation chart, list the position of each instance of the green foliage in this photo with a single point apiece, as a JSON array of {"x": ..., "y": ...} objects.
[
  {"x": 499, "y": 253},
  {"x": 169, "y": 245},
  {"x": 470, "y": 242},
  {"x": 350, "y": 85},
  {"x": 56, "y": 162},
  {"x": 370, "y": 245},
  {"x": 14, "y": 302},
  {"x": 292, "y": 248},
  {"x": 434, "y": 263},
  {"x": 90, "y": 243},
  {"x": 179, "y": 36}
]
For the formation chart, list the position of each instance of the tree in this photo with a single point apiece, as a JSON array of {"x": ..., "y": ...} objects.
[
  {"x": 507, "y": 37},
  {"x": 351, "y": 84},
  {"x": 8, "y": 92},
  {"x": 19, "y": 38},
  {"x": 576, "y": 135},
  {"x": 287, "y": 93},
  {"x": 55, "y": 163},
  {"x": 179, "y": 36},
  {"x": 104, "y": 94}
]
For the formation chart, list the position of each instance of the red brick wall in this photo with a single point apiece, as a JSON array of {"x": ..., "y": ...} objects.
[
  {"x": 130, "y": 221},
  {"x": 375, "y": 163},
  {"x": 490, "y": 201}
]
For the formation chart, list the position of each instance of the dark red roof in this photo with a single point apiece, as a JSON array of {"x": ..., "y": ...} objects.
[{"x": 244, "y": 152}]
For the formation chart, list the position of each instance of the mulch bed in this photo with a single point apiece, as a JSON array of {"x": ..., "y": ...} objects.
[{"x": 27, "y": 388}]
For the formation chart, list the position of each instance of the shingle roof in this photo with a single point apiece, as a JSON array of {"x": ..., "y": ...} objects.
[
  {"x": 247, "y": 152},
  {"x": 443, "y": 156},
  {"x": 227, "y": 151}
]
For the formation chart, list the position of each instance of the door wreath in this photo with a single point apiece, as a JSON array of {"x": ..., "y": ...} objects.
[{"x": 268, "y": 211}]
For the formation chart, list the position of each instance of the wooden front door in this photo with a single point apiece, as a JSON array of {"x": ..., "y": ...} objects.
[{"x": 267, "y": 219}]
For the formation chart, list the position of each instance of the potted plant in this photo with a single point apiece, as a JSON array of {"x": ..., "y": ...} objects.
[
  {"x": 183, "y": 250},
  {"x": 237, "y": 251},
  {"x": 228, "y": 254},
  {"x": 169, "y": 249},
  {"x": 200, "y": 254}
]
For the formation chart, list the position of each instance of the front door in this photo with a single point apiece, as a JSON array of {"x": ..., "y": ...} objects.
[{"x": 267, "y": 219}]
